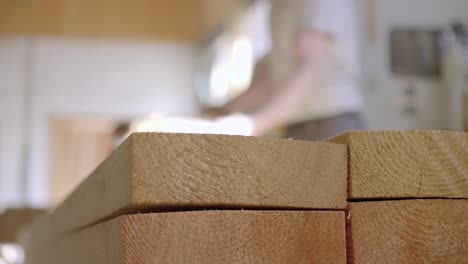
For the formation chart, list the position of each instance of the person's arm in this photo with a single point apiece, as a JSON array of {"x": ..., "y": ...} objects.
[
  {"x": 258, "y": 93},
  {"x": 311, "y": 48}
]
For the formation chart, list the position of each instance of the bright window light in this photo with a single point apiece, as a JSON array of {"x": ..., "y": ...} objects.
[
  {"x": 219, "y": 82},
  {"x": 11, "y": 253},
  {"x": 241, "y": 64}
]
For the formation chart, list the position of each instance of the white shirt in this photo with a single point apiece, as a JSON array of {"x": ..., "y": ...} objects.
[{"x": 338, "y": 90}]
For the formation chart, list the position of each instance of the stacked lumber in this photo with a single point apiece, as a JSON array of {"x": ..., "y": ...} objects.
[
  {"x": 182, "y": 198},
  {"x": 407, "y": 196}
]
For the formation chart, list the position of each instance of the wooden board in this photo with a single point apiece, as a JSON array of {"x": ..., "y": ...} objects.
[
  {"x": 218, "y": 13},
  {"x": 207, "y": 237},
  {"x": 115, "y": 19},
  {"x": 12, "y": 220},
  {"x": 166, "y": 172},
  {"x": 465, "y": 112},
  {"x": 397, "y": 164},
  {"x": 410, "y": 231},
  {"x": 77, "y": 146}
]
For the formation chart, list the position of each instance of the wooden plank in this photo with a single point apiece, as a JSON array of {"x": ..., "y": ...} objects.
[
  {"x": 165, "y": 172},
  {"x": 218, "y": 13},
  {"x": 36, "y": 240},
  {"x": 410, "y": 231},
  {"x": 207, "y": 237},
  {"x": 128, "y": 19},
  {"x": 77, "y": 146},
  {"x": 12, "y": 220},
  {"x": 465, "y": 112},
  {"x": 397, "y": 164}
]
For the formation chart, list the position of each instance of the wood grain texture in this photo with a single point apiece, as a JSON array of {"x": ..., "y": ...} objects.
[
  {"x": 406, "y": 164},
  {"x": 208, "y": 237},
  {"x": 12, "y": 220},
  {"x": 410, "y": 231},
  {"x": 166, "y": 172}
]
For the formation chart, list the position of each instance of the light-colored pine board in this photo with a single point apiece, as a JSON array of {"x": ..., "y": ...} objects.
[
  {"x": 407, "y": 164},
  {"x": 36, "y": 240},
  {"x": 207, "y": 237},
  {"x": 410, "y": 231},
  {"x": 159, "y": 172},
  {"x": 12, "y": 220}
]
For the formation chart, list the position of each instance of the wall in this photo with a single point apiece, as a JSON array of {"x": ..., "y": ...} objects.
[
  {"x": 11, "y": 113},
  {"x": 382, "y": 90},
  {"x": 79, "y": 77}
]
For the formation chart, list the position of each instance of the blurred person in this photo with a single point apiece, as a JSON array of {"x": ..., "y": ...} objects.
[{"x": 312, "y": 84}]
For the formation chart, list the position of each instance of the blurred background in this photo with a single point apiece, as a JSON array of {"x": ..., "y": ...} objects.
[{"x": 74, "y": 74}]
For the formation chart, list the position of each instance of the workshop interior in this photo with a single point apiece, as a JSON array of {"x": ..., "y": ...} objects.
[{"x": 78, "y": 77}]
